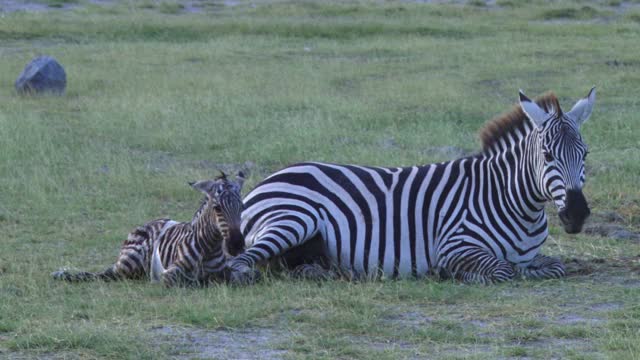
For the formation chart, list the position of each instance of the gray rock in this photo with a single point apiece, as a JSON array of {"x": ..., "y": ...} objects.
[{"x": 43, "y": 74}]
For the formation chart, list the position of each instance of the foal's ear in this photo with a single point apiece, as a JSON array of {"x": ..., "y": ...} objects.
[
  {"x": 583, "y": 108},
  {"x": 240, "y": 178},
  {"x": 205, "y": 186},
  {"x": 535, "y": 113}
]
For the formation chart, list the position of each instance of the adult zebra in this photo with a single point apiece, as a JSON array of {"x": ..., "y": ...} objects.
[{"x": 478, "y": 219}]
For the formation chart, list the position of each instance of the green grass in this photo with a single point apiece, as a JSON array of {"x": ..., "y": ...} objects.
[
  {"x": 58, "y": 3},
  {"x": 158, "y": 96}
]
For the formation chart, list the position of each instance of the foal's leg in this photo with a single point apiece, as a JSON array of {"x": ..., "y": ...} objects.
[
  {"x": 131, "y": 263},
  {"x": 176, "y": 275},
  {"x": 274, "y": 238}
]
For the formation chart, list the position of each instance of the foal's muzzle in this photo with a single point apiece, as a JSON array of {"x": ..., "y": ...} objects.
[{"x": 235, "y": 243}]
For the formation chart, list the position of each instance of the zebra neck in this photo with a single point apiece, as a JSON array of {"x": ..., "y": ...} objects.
[
  {"x": 513, "y": 169},
  {"x": 206, "y": 234}
]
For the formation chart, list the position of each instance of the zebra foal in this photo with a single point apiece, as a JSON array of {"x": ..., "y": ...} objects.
[
  {"x": 478, "y": 219},
  {"x": 180, "y": 253}
]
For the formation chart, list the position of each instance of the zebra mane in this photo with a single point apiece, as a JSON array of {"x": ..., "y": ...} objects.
[
  {"x": 222, "y": 176},
  {"x": 198, "y": 213},
  {"x": 514, "y": 120}
]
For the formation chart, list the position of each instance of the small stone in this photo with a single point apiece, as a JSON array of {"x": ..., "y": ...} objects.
[{"x": 43, "y": 74}]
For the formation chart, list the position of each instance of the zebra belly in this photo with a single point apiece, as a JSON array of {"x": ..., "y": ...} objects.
[
  {"x": 372, "y": 220},
  {"x": 370, "y": 256}
]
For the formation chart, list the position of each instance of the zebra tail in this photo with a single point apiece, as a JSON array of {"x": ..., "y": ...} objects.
[{"x": 156, "y": 264}]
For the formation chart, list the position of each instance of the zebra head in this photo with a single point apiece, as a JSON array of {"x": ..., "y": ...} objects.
[
  {"x": 224, "y": 196},
  {"x": 559, "y": 156}
]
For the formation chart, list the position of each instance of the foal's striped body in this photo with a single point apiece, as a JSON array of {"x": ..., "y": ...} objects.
[{"x": 179, "y": 252}]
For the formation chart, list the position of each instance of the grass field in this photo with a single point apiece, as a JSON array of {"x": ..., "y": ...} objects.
[{"x": 161, "y": 93}]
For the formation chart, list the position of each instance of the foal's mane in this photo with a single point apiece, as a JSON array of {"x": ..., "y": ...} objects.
[{"x": 504, "y": 124}]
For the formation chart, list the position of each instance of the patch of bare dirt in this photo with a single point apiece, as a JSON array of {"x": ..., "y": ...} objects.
[
  {"x": 607, "y": 216},
  {"x": 195, "y": 6},
  {"x": 613, "y": 231},
  {"x": 580, "y": 267},
  {"x": 379, "y": 345},
  {"x": 558, "y": 346},
  {"x": 59, "y": 355},
  {"x": 626, "y": 6},
  {"x": 29, "y": 6},
  {"x": 609, "y": 224},
  {"x": 577, "y": 267},
  {"x": 608, "y": 306},
  {"x": 411, "y": 319},
  {"x": 251, "y": 343},
  {"x": 576, "y": 319}
]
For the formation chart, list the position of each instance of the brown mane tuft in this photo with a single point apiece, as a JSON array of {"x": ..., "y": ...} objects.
[{"x": 515, "y": 119}]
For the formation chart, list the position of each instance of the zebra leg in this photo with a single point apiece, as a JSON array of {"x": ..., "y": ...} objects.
[
  {"x": 177, "y": 272},
  {"x": 130, "y": 264},
  {"x": 241, "y": 270},
  {"x": 475, "y": 265},
  {"x": 121, "y": 270},
  {"x": 186, "y": 270},
  {"x": 542, "y": 267},
  {"x": 176, "y": 276},
  {"x": 274, "y": 239},
  {"x": 65, "y": 275}
]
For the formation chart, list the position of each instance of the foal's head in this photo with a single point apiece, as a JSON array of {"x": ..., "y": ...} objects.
[{"x": 223, "y": 196}]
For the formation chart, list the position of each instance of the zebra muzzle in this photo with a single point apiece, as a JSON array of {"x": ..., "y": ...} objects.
[
  {"x": 575, "y": 213},
  {"x": 235, "y": 243}
]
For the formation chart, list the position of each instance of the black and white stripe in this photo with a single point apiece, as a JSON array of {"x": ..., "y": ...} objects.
[
  {"x": 477, "y": 219},
  {"x": 179, "y": 252}
]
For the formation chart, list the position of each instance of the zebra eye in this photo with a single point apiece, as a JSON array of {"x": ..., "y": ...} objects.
[{"x": 548, "y": 157}]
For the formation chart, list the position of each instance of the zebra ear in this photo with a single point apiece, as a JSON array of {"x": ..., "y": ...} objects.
[
  {"x": 535, "y": 113},
  {"x": 203, "y": 186},
  {"x": 240, "y": 179},
  {"x": 582, "y": 109}
]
